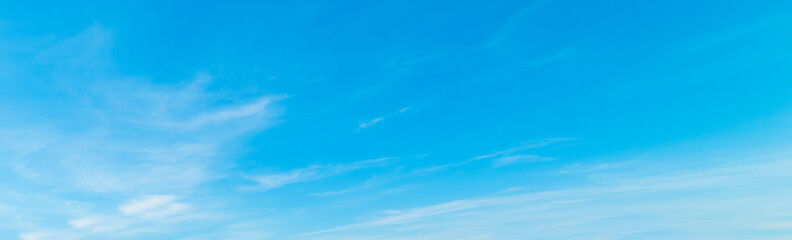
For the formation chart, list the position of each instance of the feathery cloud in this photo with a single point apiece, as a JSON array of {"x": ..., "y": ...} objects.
[
  {"x": 371, "y": 122},
  {"x": 153, "y": 206},
  {"x": 366, "y": 124},
  {"x": 97, "y": 224},
  {"x": 615, "y": 207},
  {"x": 503, "y": 157},
  {"x": 519, "y": 158},
  {"x": 314, "y": 172},
  {"x": 129, "y": 136}
]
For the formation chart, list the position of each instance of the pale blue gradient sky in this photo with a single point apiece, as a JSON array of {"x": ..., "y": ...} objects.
[{"x": 419, "y": 120}]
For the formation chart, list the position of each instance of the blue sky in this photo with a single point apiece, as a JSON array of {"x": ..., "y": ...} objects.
[{"x": 314, "y": 120}]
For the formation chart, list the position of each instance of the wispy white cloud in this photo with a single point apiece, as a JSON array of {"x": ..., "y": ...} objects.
[
  {"x": 592, "y": 168},
  {"x": 371, "y": 122},
  {"x": 47, "y": 235},
  {"x": 159, "y": 136},
  {"x": 624, "y": 206},
  {"x": 153, "y": 206},
  {"x": 246, "y": 230},
  {"x": 151, "y": 213},
  {"x": 98, "y": 224},
  {"x": 174, "y": 166},
  {"x": 129, "y": 136},
  {"x": 515, "y": 22},
  {"x": 519, "y": 158},
  {"x": 503, "y": 157},
  {"x": 146, "y": 157},
  {"x": 366, "y": 124},
  {"x": 525, "y": 146},
  {"x": 32, "y": 236},
  {"x": 311, "y": 173},
  {"x": 340, "y": 192},
  {"x": 260, "y": 108},
  {"x": 24, "y": 141},
  {"x": 254, "y": 108},
  {"x": 776, "y": 225},
  {"x": 370, "y": 183},
  {"x": 186, "y": 107}
]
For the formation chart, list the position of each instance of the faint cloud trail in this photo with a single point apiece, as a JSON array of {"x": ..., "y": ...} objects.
[{"x": 371, "y": 122}]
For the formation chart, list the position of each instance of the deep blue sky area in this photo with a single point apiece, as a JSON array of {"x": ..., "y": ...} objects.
[{"x": 547, "y": 119}]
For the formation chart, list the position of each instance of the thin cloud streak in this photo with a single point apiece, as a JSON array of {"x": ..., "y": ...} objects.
[
  {"x": 376, "y": 120},
  {"x": 503, "y": 157},
  {"x": 519, "y": 158},
  {"x": 513, "y": 24},
  {"x": 564, "y": 214},
  {"x": 153, "y": 206},
  {"x": 371, "y": 122},
  {"x": 131, "y": 136},
  {"x": 259, "y": 107},
  {"x": 311, "y": 173}
]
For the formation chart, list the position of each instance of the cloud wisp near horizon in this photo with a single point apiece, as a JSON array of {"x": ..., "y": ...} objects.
[
  {"x": 419, "y": 120},
  {"x": 590, "y": 210}
]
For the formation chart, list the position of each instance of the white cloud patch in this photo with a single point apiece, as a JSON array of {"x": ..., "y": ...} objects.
[
  {"x": 47, "y": 235},
  {"x": 370, "y": 183},
  {"x": 33, "y": 236},
  {"x": 744, "y": 198},
  {"x": 117, "y": 134},
  {"x": 503, "y": 157},
  {"x": 315, "y": 172},
  {"x": 25, "y": 141},
  {"x": 147, "y": 214},
  {"x": 369, "y": 123},
  {"x": 776, "y": 225},
  {"x": 129, "y": 135},
  {"x": 153, "y": 206},
  {"x": 260, "y": 108},
  {"x": 519, "y": 158},
  {"x": 97, "y": 224},
  {"x": 254, "y": 108},
  {"x": 525, "y": 146}
]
